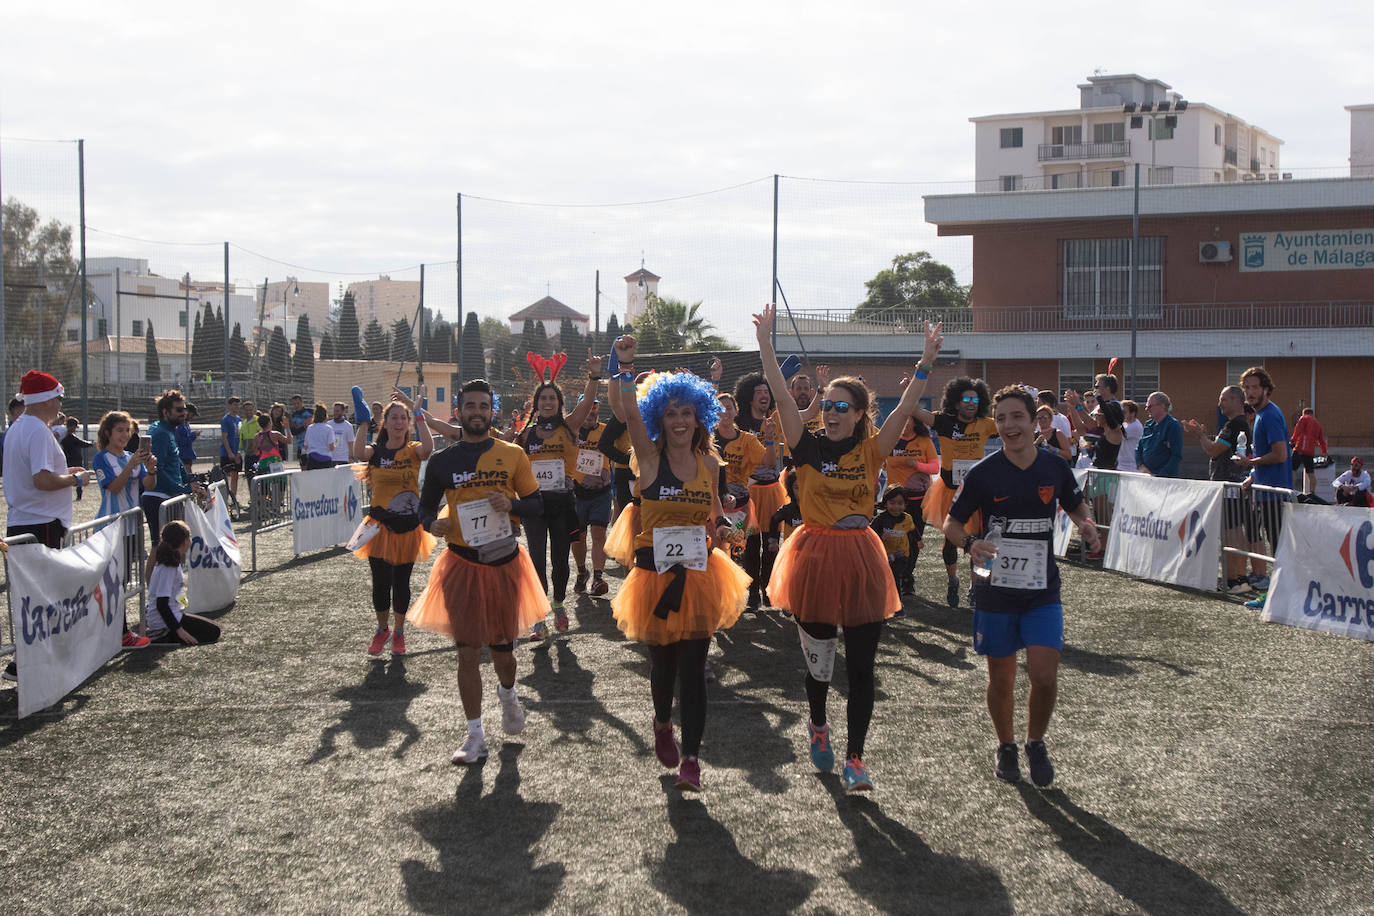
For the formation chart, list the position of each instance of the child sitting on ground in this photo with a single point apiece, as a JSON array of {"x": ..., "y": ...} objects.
[
  {"x": 901, "y": 538},
  {"x": 167, "y": 622}
]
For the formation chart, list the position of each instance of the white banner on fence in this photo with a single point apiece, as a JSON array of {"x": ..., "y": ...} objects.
[
  {"x": 1063, "y": 524},
  {"x": 216, "y": 566},
  {"x": 326, "y": 505},
  {"x": 1324, "y": 571},
  {"x": 1166, "y": 530},
  {"x": 69, "y": 614}
]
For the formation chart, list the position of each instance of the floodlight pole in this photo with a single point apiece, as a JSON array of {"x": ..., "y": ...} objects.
[
  {"x": 1133, "y": 284},
  {"x": 85, "y": 305},
  {"x": 773, "y": 290}
]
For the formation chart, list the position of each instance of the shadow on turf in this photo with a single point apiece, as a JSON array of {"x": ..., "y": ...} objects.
[
  {"x": 485, "y": 846},
  {"x": 899, "y": 872},
  {"x": 377, "y": 708},
  {"x": 703, "y": 871},
  {"x": 574, "y": 721},
  {"x": 1153, "y": 882}
]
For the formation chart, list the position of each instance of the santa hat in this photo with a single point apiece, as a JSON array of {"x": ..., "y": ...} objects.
[{"x": 36, "y": 387}]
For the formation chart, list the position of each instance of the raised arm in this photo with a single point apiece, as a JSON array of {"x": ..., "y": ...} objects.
[
  {"x": 789, "y": 418},
  {"x": 625, "y": 348},
  {"x": 911, "y": 397},
  {"x": 578, "y": 417}
]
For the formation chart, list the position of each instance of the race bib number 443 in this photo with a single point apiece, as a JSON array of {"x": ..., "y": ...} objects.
[
  {"x": 680, "y": 544},
  {"x": 548, "y": 474},
  {"x": 481, "y": 524}
]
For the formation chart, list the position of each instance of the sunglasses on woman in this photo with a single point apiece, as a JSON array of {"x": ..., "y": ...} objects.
[{"x": 838, "y": 406}]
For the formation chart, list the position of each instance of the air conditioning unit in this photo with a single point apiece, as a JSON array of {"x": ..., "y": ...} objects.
[{"x": 1213, "y": 252}]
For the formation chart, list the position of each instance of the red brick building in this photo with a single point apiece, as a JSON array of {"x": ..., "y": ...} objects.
[{"x": 1279, "y": 273}]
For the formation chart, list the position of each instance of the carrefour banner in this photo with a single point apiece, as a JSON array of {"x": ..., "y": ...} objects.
[
  {"x": 1063, "y": 524},
  {"x": 326, "y": 506},
  {"x": 1166, "y": 530},
  {"x": 1307, "y": 249},
  {"x": 1324, "y": 571},
  {"x": 68, "y": 614},
  {"x": 215, "y": 563}
]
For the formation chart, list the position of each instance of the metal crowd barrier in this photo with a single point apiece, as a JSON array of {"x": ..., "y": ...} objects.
[
  {"x": 7, "y": 648},
  {"x": 135, "y": 554},
  {"x": 269, "y": 505},
  {"x": 1251, "y": 517}
]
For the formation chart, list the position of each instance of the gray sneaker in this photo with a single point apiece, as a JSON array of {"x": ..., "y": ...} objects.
[
  {"x": 1038, "y": 758},
  {"x": 1008, "y": 765}
]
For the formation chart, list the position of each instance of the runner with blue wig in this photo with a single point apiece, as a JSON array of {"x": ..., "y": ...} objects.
[{"x": 682, "y": 589}]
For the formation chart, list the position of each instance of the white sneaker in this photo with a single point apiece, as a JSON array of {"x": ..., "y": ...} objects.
[
  {"x": 512, "y": 714},
  {"x": 473, "y": 750}
]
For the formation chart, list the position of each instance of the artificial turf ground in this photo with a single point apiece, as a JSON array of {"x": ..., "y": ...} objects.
[{"x": 1208, "y": 763}]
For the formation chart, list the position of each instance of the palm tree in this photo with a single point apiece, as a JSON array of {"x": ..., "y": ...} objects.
[{"x": 678, "y": 327}]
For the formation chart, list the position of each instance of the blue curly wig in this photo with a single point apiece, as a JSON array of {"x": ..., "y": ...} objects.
[{"x": 682, "y": 387}]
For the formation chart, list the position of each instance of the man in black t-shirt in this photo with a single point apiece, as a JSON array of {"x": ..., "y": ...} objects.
[
  {"x": 1240, "y": 519},
  {"x": 1016, "y": 604}
]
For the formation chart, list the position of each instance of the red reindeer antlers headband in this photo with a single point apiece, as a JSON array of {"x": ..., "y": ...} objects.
[{"x": 553, "y": 364}]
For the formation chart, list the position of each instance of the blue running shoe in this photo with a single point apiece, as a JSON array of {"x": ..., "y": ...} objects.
[
  {"x": 1256, "y": 604},
  {"x": 822, "y": 757},
  {"x": 855, "y": 776}
]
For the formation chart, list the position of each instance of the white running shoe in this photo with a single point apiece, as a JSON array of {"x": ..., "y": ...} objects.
[
  {"x": 512, "y": 714},
  {"x": 473, "y": 750}
]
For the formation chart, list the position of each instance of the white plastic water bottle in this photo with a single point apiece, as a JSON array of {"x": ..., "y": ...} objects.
[
  {"x": 1242, "y": 444},
  {"x": 993, "y": 537}
]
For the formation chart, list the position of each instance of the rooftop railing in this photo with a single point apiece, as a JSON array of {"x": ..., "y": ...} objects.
[{"x": 1333, "y": 314}]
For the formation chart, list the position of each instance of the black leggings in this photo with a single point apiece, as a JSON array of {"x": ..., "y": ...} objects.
[
  {"x": 556, "y": 525},
  {"x": 860, "y": 658},
  {"x": 683, "y": 661},
  {"x": 202, "y": 630},
  {"x": 753, "y": 563},
  {"x": 390, "y": 587}
]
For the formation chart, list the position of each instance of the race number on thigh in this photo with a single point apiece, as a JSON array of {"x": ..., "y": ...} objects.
[
  {"x": 589, "y": 462},
  {"x": 680, "y": 544},
  {"x": 1020, "y": 564},
  {"x": 548, "y": 474},
  {"x": 961, "y": 466},
  {"x": 481, "y": 524}
]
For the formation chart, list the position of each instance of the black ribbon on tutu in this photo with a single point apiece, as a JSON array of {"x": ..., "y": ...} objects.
[{"x": 672, "y": 595}]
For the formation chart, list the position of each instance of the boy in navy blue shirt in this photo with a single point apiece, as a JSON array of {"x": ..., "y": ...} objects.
[{"x": 1016, "y": 605}]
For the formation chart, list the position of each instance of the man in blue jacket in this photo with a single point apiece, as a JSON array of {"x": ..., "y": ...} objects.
[{"x": 1160, "y": 450}]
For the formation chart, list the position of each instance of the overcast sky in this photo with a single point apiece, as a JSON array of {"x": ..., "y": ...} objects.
[{"x": 335, "y": 135}]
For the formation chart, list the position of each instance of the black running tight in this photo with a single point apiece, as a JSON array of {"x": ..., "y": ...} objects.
[
  {"x": 860, "y": 659},
  {"x": 683, "y": 661},
  {"x": 552, "y": 531},
  {"x": 390, "y": 586}
]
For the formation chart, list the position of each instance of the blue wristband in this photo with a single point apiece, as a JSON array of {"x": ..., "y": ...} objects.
[
  {"x": 419, "y": 414},
  {"x": 922, "y": 374}
]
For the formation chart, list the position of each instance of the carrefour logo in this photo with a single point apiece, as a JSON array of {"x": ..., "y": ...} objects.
[
  {"x": 1191, "y": 534},
  {"x": 351, "y": 503},
  {"x": 1357, "y": 554},
  {"x": 1359, "y": 557}
]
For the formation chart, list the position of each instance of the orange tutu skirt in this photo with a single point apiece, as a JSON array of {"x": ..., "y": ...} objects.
[
  {"x": 480, "y": 605},
  {"x": 766, "y": 498},
  {"x": 935, "y": 507},
  {"x": 620, "y": 540},
  {"x": 712, "y": 600},
  {"x": 829, "y": 575},
  {"x": 399, "y": 549}
]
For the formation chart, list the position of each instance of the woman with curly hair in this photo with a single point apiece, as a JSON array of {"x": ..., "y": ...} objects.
[
  {"x": 681, "y": 590},
  {"x": 964, "y": 427},
  {"x": 833, "y": 571}
]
